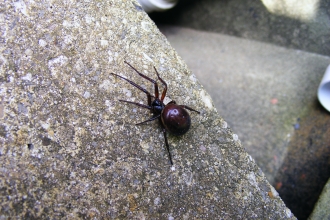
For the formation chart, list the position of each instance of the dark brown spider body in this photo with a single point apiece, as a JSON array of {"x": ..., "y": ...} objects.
[
  {"x": 175, "y": 119},
  {"x": 172, "y": 117},
  {"x": 157, "y": 106}
]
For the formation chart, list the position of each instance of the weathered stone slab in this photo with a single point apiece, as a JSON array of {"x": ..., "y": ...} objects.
[
  {"x": 70, "y": 149},
  {"x": 263, "y": 91},
  {"x": 321, "y": 209}
]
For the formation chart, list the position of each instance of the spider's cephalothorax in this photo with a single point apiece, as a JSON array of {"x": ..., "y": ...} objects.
[
  {"x": 157, "y": 106},
  {"x": 172, "y": 117}
]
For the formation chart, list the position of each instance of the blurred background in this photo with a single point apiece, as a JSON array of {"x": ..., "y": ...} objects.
[{"x": 262, "y": 62}]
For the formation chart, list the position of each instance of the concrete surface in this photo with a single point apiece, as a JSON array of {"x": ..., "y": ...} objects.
[
  {"x": 261, "y": 89},
  {"x": 69, "y": 149},
  {"x": 306, "y": 168},
  {"x": 321, "y": 210},
  {"x": 267, "y": 94},
  {"x": 302, "y": 25}
]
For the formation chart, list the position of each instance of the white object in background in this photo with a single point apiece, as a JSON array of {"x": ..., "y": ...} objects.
[
  {"x": 157, "y": 5},
  {"x": 323, "y": 92}
]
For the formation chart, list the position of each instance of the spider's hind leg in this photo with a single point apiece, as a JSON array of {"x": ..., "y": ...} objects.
[
  {"x": 143, "y": 106},
  {"x": 167, "y": 146},
  {"x": 150, "y": 119},
  {"x": 187, "y": 107}
]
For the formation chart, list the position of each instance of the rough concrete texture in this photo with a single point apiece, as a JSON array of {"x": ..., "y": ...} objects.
[
  {"x": 306, "y": 167},
  {"x": 268, "y": 96},
  {"x": 296, "y": 150},
  {"x": 260, "y": 89},
  {"x": 321, "y": 209},
  {"x": 69, "y": 149},
  {"x": 303, "y": 25}
]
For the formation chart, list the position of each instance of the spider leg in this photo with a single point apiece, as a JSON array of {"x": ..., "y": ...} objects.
[
  {"x": 138, "y": 104},
  {"x": 150, "y": 119},
  {"x": 137, "y": 86},
  {"x": 187, "y": 107},
  {"x": 164, "y": 83},
  {"x": 147, "y": 78},
  {"x": 167, "y": 147}
]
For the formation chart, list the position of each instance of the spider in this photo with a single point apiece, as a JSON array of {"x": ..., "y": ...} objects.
[{"x": 172, "y": 117}]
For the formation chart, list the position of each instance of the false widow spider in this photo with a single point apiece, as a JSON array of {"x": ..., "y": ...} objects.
[{"x": 172, "y": 117}]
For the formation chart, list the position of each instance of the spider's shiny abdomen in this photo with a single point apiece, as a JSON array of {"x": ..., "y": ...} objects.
[{"x": 175, "y": 119}]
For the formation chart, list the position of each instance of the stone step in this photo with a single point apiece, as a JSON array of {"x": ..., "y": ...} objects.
[
  {"x": 69, "y": 148},
  {"x": 267, "y": 94}
]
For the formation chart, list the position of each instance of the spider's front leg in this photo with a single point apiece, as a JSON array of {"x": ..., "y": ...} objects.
[
  {"x": 137, "y": 86},
  {"x": 138, "y": 104},
  {"x": 147, "y": 78}
]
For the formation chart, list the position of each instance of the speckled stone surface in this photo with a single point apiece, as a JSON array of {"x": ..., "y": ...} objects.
[
  {"x": 304, "y": 26},
  {"x": 267, "y": 94},
  {"x": 69, "y": 149},
  {"x": 321, "y": 209}
]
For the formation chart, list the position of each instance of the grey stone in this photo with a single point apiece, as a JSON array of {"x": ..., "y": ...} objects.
[
  {"x": 260, "y": 89},
  {"x": 70, "y": 149},
  {"x": 303, "y": 25},
  {"x": 321, "y": 209}
]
